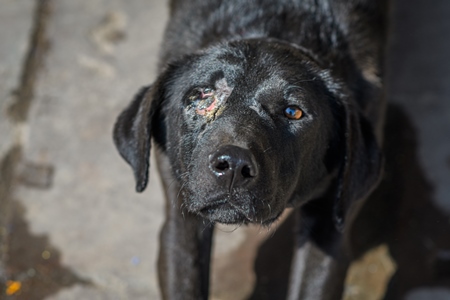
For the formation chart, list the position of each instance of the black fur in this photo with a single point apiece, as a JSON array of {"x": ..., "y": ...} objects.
[{"x": 235, "y": 156}]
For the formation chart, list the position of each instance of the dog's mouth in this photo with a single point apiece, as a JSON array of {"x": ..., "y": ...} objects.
[
  {"x": 225, "y": 210},
  {"x": 222, "y": 211}
]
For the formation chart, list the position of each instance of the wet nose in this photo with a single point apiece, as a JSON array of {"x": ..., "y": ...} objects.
[{"x": 233, "y": 166}]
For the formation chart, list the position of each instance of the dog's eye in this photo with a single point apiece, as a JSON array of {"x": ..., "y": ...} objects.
[
  {"x": 203, "y": 100},
  {"x": 293, "y": 112},
  {"x": 201, "y": 94}
]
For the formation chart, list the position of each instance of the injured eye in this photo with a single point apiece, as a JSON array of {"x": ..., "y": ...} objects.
[
  {"x": 293, "y": 112},
  {"x": 204, "y": 100},
  {"x": 201, "y": 94}
]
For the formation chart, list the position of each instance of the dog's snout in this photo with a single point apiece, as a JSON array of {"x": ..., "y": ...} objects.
[{"x": 233, "y": 166}]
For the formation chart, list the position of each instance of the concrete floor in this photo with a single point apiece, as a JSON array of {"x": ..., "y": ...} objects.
[{"x": 72, "y": 226}]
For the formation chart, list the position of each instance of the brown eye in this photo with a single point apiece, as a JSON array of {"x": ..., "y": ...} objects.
[{"x": 293, "y": 112}]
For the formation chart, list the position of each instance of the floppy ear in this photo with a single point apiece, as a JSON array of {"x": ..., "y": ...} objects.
[
  {"x": 132, "y": 133},
  {"x": 133, "y": 128},
  {"x": 361, "y": 168}
]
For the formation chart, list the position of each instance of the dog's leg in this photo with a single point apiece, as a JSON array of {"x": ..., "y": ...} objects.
[
  {"x": 315, "y": 274},
  {"x": 185, "y": 246},
  {"x": 183, "y": 263}
]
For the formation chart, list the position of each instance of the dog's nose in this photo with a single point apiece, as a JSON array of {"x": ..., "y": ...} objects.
[{"x": 233, "y": 166}]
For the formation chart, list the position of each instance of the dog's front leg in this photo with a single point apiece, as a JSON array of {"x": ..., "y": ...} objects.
[
  {"x": 185, "y": 246},
  {"x": 315, "y": 274},
  {"x": 183, "y": 263}
]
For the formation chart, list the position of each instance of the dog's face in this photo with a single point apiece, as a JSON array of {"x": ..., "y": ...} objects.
[
  {"x": 249, "y": 128},
  {"x": 248, "y": 131}
]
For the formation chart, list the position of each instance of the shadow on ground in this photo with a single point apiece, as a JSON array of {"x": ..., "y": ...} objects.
[{"x": 33, "y": 262}]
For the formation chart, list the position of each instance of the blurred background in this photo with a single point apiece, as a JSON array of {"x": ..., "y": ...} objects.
[{"x": 71, "y": 225}]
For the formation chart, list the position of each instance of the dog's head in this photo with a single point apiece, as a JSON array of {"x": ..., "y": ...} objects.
[{"x": 250, "y": 128}]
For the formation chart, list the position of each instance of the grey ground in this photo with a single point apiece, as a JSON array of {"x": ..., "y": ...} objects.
[{"x": 71, "y": 225}]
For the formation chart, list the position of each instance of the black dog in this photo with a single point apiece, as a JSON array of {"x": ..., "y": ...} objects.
[{"x": 261, "y": 105}]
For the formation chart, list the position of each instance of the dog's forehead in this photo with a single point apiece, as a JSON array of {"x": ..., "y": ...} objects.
[
  {"x": 259, "y": 73},
  {"x": 245, "y": 59}
]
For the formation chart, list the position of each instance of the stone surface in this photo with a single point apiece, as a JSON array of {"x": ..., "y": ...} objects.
[
  {"x": 16, "y": 18},
  {"x": 104, "y": 231},
  {"x": 15, "y": 25}
]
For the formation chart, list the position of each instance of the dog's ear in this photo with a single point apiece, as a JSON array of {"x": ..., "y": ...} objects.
[
  {"x": 133, "y": 128},
  {"x": 132, "y": 133},
  {"x": 361, "y": 168}
]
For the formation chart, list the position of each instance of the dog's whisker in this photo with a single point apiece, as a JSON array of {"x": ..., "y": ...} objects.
[
  {"x": 206, "y": 224},
  {"x": 183, "y": 206},
  {"x": 181, "y": 188},
  {"x": 264, "y": 151}
]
